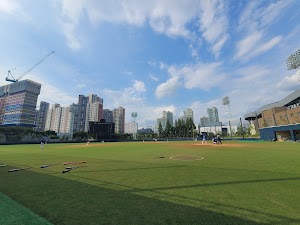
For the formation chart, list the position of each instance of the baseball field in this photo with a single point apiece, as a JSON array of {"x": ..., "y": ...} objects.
[{"x": 151, "y": 183}]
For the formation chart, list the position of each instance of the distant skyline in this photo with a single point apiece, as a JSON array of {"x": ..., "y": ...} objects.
[{"x": 151, "y": 56}]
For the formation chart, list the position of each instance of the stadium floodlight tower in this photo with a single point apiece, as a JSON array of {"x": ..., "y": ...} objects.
[
  {"x": 226, "y": 102},
  {"x": 293, "y": 61},
  {"x": 134, "y": 130}
]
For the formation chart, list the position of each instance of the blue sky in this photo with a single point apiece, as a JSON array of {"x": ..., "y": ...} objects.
[{"x": 150, "y": 56}]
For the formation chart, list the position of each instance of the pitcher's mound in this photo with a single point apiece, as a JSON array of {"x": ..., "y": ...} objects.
[{"x": 186, "y": 157}]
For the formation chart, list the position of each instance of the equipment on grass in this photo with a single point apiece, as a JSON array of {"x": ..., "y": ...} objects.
[
  {"x": 45, "y": 166},
  {"x": 67, "y": 163},
  {"x": 3, "y": 165},
  {"x": 15, "y": 170},
  {"x": 71, "y": 168}
]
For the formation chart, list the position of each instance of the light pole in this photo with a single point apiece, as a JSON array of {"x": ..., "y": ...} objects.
[
  {"x": 226, "y": 102},
  {"x": 293, "y": 61}
]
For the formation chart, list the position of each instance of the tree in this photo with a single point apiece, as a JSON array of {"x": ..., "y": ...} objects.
[
  {"x": 168, "y": 129},
  {"x": 160, "y": 129},
  {"x": 190, "y": 127},
  {"x": 80, "y": 135}
]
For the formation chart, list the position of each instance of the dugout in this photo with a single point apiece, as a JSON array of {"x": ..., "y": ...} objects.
[
  {"x": 281, "y": 133},
  {"x": 102, "y": 130}
]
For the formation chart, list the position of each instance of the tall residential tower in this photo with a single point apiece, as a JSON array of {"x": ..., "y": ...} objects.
[{"x": 18, "y": 103}]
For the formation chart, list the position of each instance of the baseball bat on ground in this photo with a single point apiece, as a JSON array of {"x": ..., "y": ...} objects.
[
  {"x": 68, "y": 169},
  {"x": 45, "y": 166},
  {"x": 15, "y": 170}
]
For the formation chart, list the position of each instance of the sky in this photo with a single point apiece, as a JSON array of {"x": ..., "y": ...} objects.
[{"x": 150, "y": 56}]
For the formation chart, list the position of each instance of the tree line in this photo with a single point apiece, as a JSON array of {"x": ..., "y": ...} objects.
[{"x": 182, "y": 128}]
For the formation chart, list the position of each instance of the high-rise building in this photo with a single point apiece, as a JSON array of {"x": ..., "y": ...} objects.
[
  {"x": 204, "y": 121},
  {"x": 188, "y": 113},
  {"x": 41, "y": 116},
  {"x": 51, "y": 118},
  {"x": 90, "y": 108},
  {"x": 166, "y": 116},
  {"x": 119, "y": 120},
  {"x": 213, "y": 116},
  {"x": 61, "y": 119},
  {"x": 80, "y": 114},
  {"x": 108, "y": 116},
  {"x": 18, "y": 103},
  {"x": 169, "y": 116},
  {"x": 131, "y": 128},
  {"x": 94, "y": 110}
]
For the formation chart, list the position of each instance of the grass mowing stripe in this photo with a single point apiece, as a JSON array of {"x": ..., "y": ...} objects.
[{"x": 13, "y": 213}]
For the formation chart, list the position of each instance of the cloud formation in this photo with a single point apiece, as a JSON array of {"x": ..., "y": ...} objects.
[
  {"x": 201, "y": 76},
  {"x": 162, "y": 16}
]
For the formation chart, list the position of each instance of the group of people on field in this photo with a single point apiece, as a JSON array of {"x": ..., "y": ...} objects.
[{"x": 215, "y": 139}]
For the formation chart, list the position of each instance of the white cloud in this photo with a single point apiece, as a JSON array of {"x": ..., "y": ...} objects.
[
  {"x": 255, "y": 20},
  {"x": 153, "y": 77},
  {"x": 162, "y": 65},
  {"x": 247, "y": 44},
  {"x": 14, "y": 9},
  {"x": 71, "y": 15},
  {"x": 80, "y": 86},
  {"x": 128, "y": 73},
  {"x": 194, "y": 51},
  {"x": 167, "y": 88},
  {"x": 72, "y": 41},
  {"x": 266, "y": 46},
  {"x": 125, "y": 97},
  {"x": 202, "y": 76},
  {"x": 251, "y": 74},
  {"x": 214, "y": 24},
  {"x": 257, "y": 16},
  {"x": 253, "y": 45},
  {"x": 139, "y": 86},
  {"x": 163, "y": 16},
  {"x": 290, "y": 83},
  {"x": 166, "y": 17},
  {"x": 10, "y": 7}
]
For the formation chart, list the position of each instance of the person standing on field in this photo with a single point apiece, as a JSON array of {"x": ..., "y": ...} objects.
[
  {"x": 42, "y": 144},
  {"x": 219, "y": 139},
  {"x": 204, "y": 139}
]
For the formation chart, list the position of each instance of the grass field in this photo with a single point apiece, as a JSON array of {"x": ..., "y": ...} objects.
[{"x": 137, "y": 183}]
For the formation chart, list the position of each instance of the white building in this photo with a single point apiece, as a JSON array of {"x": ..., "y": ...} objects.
[
  {"x": 50, "y": 118},
  {"x": 61, "y": 120},
  {"x": 131, "y": 128}
]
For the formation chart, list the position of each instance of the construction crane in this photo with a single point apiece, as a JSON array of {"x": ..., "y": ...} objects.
[{"x": 12, "y": 79}]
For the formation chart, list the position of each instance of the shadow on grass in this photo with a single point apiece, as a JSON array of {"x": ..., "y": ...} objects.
[
  {"x": 219, "y": 183},
  {"x": 272, "y": 219},
  {"x": 64, "y": 201}
]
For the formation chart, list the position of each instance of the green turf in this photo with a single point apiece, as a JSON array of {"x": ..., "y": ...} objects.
[
  {"x": 13, "y": 213},
  {"x": 128, "y": 183}
]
